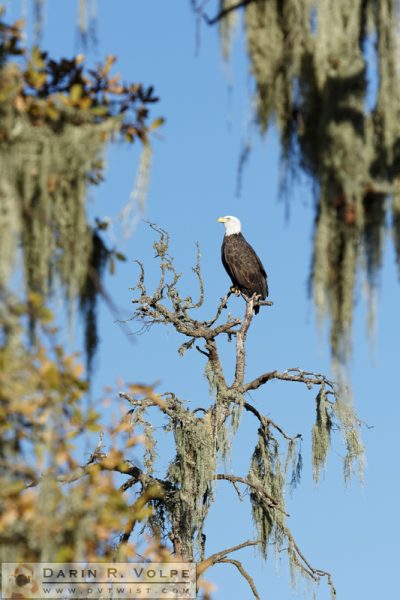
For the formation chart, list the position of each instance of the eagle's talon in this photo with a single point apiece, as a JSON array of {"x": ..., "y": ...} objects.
[{"x": 235, "y": 290}]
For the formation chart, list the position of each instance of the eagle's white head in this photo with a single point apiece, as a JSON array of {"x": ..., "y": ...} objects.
[{"x": 232, "y": 224}]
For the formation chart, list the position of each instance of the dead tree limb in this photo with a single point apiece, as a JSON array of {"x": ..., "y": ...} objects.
[
  {"x": 244, "y": 573},
  {"x": 226, "y": 11},
  {"x": 218, "y": 556},
  {"x": 271, "y": 502}
]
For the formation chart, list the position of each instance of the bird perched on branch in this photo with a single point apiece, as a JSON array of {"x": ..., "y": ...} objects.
[{"x": 242, "y": 263}]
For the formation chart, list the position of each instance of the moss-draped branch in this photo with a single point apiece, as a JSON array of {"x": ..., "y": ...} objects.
[{"x": 205, "y": 433}]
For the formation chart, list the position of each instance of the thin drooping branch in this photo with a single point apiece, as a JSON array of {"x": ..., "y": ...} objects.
[
  {"x": 218, "y": 556},
  {"x": 244, "y": 574},
  {"x": 271, "y": 502},
  {"x": 216, "y": 365},
  {"x": 225, "y": 11},
  {"x": 267, "y": 421},
  {"x": 313, "y": 572}
]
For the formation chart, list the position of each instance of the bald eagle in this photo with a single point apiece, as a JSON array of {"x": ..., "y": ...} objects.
[{"x": 242, "y": 263}]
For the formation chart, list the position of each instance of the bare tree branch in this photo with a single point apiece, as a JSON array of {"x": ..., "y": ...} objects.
[
  {"x": 240, "y": 344},
  {"x": 170, "y": 407},
  {"x": 267, "y": 421},
  {"x": 314, "y": 573},
  {"x": 225, "y": 11},
  {"x": 151, "y": 308},
  {"x": 271, "y": 502},
  {"x": 308, "y": 378},
  {"x": 220, "y": 308},
  {"x": 218, "y": 556},
  {"x": 197, "y": 271},
  {"x": 125, "y": 468},
  {"x": 244, "y": 574}
]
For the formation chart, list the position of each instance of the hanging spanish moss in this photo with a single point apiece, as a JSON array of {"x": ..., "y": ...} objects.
[
  {"x": 86, "y": 20},
  {"x": 267, "y": 476},
  {"x": 56, "y": 121},
  {"x": 331, "y": 416},
  {"x": 227, "y": 26},
  {"x": 192, "y": 472},
  {"x": 311, "y": 63},
  {"x": 43, "y": 184},
  {"x": 321, "y": 434}
]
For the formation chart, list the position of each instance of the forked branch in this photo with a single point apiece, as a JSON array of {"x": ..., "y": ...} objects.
[
  {"x": 295, "y": 374},
  {"x": 218, "y": 556}
]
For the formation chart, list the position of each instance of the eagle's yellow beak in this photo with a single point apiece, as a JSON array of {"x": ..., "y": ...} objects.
[{"x": 221, "y": 220}]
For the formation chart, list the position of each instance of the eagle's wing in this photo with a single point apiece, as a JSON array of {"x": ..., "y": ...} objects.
[
  {"x": 265, "y": 284},
  {"x": 244, "y": 267}
]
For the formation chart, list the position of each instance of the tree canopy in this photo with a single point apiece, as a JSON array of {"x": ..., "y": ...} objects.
[{"x": 56, "y": 121}]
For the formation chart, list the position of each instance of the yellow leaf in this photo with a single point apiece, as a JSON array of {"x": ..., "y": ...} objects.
[
  {"x": 37, "y": 58},
  {"x": 75, "y": 92},
  {"x": 52, "y": 112},
  {"x": 113, "y": 459},
  {"x": 45, "y": 315},
  {"x": 131, "y": 442},
  {"x": 77, "y": 370},
  {"x": 20, "y": 103},
  {"x": 93, "y": 427},
  {"x": 110, "y": 60},
  {"x": 61, "y": 457},
  {"x": 99, "y": 111},
  {"x": 157, "y": 123},
  {"x": 85, "y": 103}
]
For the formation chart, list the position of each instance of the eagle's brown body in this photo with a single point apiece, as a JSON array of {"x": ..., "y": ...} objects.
[{"x": 244, "y": 267}]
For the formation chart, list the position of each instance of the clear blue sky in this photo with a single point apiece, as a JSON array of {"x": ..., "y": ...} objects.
[{"x": 351, "y": 532}]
